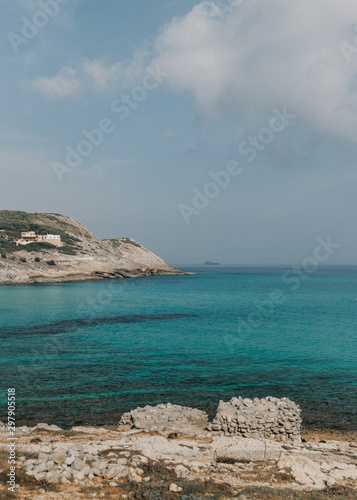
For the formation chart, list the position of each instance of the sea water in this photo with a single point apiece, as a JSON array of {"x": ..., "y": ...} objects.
[{"x": 85, "y": 352}]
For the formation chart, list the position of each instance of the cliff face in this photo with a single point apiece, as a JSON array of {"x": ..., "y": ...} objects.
[{"x": 82, "y": 254}]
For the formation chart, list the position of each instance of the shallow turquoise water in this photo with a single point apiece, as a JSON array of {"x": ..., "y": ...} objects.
[{"x": 189, "y": 340}]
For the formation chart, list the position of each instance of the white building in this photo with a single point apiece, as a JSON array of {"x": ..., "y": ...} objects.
[
  {"x": 32, "y": 237},
  {"x": 54, "y": 239}
]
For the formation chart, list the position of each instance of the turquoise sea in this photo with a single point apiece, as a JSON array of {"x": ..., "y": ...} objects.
[{"x": 86, "y": 352}]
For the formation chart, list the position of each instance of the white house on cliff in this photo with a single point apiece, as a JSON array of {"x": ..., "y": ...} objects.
[{"x": 31, "y": 237}]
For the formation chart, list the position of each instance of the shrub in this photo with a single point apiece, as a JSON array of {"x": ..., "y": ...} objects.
[
  {"x": 51, "y": 263},
  {"x": 131, "y": 242},
  {"x": 37, "y": 259},
  {"x": 38, "y": 247},
  {"x": 67, "y": 250},
  {"x": 22, "y": 259},
  {"x": 7, "y": 246},
  {"x": 3, "y": 255}
]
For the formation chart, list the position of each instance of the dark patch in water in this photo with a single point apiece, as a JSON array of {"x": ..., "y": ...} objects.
[{"x": 72, "y": 325}]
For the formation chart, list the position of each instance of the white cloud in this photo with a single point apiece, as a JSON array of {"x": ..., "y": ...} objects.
[
  {"x": 245, "y": 61},
  {"x": 265, "y": 54},
  {"x": 65, "y": 84},
  {"x": 94, "y": 75},
  {"x": 101, "y": 74}
]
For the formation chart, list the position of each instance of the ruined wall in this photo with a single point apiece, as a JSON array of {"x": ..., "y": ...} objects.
[{"x": 269, "y": 417}]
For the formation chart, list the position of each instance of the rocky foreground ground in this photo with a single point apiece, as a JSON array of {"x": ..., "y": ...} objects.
[{"x": 167, "y": 452}]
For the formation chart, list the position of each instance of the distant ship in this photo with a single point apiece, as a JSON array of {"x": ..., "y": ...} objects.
[{"x": 210, "y": 263}]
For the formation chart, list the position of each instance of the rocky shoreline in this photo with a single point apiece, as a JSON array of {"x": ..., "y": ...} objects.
[
  {"x": 173, "y": 452},
  {"x": 15, "y": 279}
]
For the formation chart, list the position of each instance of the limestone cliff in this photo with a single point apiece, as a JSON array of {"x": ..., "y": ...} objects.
[{"x": 81, "y": 256}]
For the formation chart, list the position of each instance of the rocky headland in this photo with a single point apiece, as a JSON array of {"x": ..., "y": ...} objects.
[
  {"x": 80, "y": 254},
  {"x": 174, "y": 452}
]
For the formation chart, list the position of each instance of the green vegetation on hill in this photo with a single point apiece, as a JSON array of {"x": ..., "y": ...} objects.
[
  {"x": 7, "y": 247},
  {"x": 36, "y": 247},
  {"x": 15, "y": 222}
]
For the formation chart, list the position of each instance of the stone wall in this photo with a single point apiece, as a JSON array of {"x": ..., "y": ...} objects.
[
  {"x": 269, "y": 417},
  {"x": 167, "y": 417}
]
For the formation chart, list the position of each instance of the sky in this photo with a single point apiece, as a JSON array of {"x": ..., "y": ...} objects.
[{"x": 214, "y": 130}]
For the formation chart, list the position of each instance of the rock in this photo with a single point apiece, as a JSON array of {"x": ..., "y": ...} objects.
[
  {"x": 114, "y": 471},
  {"x": 40, "y": 476},
  {"x": 137, "y": 479},
  {"x": 47, "y": 427},
  {"x": 348, "y": 472},
  {"x": 78, "y": 464},
  {"x": 173, "y": 487},
  {"x": 41, "y": 467},
  {"x": 79, "y": 475},
  {"x": 180, "y": 470},
  {"x": 258, "y": 418},
  {"x": 86, "y": 470},
  {"x": 168, "y": 417},
  {"x": 67, "y": 474},
  {"x": 50, "y": 465},
  {"x": 305, "y": 471},
  {"x": 52, "y": 477},
  {"x": 76, "y": 452},
  {"x": 59, "y": 458},
  {"x": 69, "y": 460},
  {"x": 102, "y": 464},
  {"x": 330, "y": 482},
  {"x": 113, "y": 484},
  {"x": 140, "y": 459}
]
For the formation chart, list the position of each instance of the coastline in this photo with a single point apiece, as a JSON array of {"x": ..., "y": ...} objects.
[
  {"x": 75, "y": 253},
  {"x": 96, "y": 276},
  {"x": 123, "y": 461},
  {"x": 314, "y": 420}
]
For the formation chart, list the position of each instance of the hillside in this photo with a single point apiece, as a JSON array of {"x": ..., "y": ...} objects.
[{"x": 80, "y": 255}]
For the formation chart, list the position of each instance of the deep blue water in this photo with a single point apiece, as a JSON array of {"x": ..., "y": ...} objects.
[{"x": 85, "y": 352}]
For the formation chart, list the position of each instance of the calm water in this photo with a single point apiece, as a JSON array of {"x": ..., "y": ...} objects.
[{"x": 86, "y": 352}]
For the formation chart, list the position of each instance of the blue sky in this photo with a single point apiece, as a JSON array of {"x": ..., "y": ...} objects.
[{"x": 270, "y": 86}]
